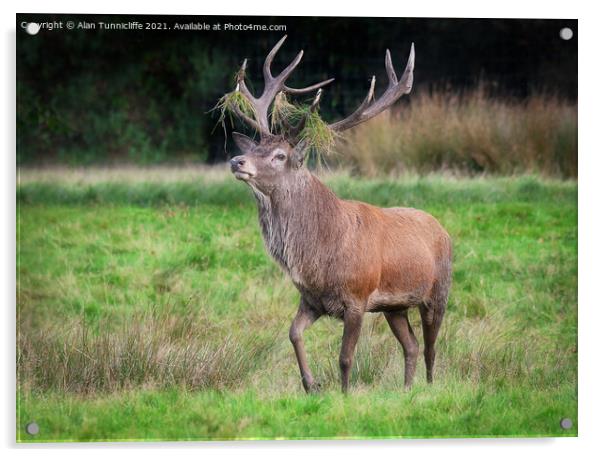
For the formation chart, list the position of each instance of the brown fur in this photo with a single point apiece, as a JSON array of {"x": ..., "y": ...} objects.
[{"x": 346, "y": 257}]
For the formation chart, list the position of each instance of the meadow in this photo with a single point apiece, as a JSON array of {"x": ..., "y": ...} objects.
[{"x": 149, "y": 310}]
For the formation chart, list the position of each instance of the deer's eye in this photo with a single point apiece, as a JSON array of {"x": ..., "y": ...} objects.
[{"x": 280, "y": 156}]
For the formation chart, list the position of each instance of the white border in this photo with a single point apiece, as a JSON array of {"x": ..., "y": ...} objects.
[
  {"x": 589, "y": 220},
  {"x": 376, "y": 8}
]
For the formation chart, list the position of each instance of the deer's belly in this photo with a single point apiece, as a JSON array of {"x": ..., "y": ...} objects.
[{"x": 379, "y": 301}]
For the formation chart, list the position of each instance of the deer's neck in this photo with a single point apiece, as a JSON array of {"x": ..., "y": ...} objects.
[{"x": 297, "y": 221}]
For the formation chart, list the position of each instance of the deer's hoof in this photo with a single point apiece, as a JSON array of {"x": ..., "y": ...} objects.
[{"x": 313, "y": 388}]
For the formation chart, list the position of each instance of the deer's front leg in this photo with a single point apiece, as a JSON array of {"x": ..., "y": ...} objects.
[
  {"x": 304, "y": 318},
  {"x": 352, "y": 325}
]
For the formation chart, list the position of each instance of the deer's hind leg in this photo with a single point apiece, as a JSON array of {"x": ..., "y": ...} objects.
[
  {"x": 401, "y": 328},
  {"x": 432, "y": 314}
]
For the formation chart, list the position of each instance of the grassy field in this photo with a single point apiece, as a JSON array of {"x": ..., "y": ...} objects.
[{"x": 148, "y": 309}]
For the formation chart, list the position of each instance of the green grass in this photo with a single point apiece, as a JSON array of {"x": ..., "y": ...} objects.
[
  {"x": 149, "y": 310},
  {"x": 461, "y": 410}
]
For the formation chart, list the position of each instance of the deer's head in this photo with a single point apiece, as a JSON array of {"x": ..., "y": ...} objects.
[
  {"x": 267, "y": 164},
  {"x": 277, "y": 158}
]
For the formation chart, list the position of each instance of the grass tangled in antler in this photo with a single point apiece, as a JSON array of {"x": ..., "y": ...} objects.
[
  {"x": 228, "y": 104},
  {"x": 317, "y": 135},
  {"x": 284, "y": 113},
  {"x": 319, "y": 138}
]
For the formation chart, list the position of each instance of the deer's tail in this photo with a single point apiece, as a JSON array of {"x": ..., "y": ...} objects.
[{"x": 434, "y": 308}]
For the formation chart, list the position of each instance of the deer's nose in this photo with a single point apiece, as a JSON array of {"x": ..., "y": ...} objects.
[{"x": 237, "y": 162}]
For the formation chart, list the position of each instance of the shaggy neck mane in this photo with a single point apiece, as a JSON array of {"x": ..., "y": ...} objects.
[{"x": 296, "y": 220}]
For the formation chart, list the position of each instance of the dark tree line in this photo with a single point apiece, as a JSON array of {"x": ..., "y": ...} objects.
[{"x": 145, "y": 96}]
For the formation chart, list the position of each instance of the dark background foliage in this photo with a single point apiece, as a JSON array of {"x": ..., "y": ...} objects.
[{"x": 86, "y": 96}]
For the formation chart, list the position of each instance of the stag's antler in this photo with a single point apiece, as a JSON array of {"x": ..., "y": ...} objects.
[
  {"x": 272, "y": 85},
  {"x": 275, "y": 84},
  {"x": 370, "y": 107}
]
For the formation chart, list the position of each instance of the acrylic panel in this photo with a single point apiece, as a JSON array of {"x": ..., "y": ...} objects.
[{"x": 222, "y": 237}]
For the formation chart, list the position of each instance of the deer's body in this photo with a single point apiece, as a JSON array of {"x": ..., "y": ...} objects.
[
  {"x": 346, "y": 258},
  {"x": 350, "y": 255}
]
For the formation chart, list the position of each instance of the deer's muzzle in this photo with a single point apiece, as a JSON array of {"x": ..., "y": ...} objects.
[{"x": 241, "y": 168}]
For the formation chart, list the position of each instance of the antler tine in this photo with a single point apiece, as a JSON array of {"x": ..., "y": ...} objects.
[
  {"x": 304, "y": 90},
  {"x": 316, "y": 102},
  {"x": 409, "y": 70},
  {"x": 267, "y": 64},
  {"x": 395, "y": 90},
  {"x": 355, "y": 117},
  {"x": 390, "y": 70},
  {"x": 283, "y": 76},
  {"x": 240, "y": 81}
]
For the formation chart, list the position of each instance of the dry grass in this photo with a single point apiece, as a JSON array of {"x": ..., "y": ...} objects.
[
  {"x": 171, "y": 350},
  {"x": 469, "y": 133},
  {"x": 154, "y": 349}
]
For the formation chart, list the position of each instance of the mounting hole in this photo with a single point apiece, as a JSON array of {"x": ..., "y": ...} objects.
[
  {"x": 566, "y": 33},
  {"x": 566, "y": 423},
  {"x": 32, "y": 428},
  {"x": 32, "y": 28}
]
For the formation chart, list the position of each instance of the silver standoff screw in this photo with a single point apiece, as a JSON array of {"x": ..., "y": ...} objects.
[
  {"x": 566, "y": 423},
  {"x": 32, "y": 428}
]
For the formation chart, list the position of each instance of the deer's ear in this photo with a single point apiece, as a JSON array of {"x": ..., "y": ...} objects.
[
  {"x": 244, "y": 143},
  {"x": 299, "y": 153}
]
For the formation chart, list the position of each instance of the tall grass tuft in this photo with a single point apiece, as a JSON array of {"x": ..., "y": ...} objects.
[
  {"x": 471, "y": 133},
  {"x": 151, "y": 350}
]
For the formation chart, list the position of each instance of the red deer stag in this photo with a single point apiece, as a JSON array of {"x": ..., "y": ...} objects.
[{"x": 346, "y": 258}]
